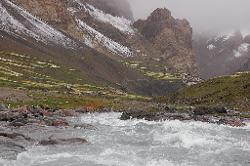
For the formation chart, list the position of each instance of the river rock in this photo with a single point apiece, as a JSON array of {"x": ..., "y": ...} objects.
[
  {"x": 62, "y": 141},
  {"x": 18, "y": 122},
  {"x": 67, "y": 113},
  {"x": 59, "y": 123},
  {"x": 3, "y": 107},
  {"x": 232, "y": 122},
  {"x": 81, "y": 110},
  {"x": 126, "y": 116},
  {"x": 209, "y": 110}
]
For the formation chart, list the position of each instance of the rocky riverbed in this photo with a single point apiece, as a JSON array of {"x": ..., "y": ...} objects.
[
  {"x": 133, "y": 142},
  {"x": 26, "y": 127}
]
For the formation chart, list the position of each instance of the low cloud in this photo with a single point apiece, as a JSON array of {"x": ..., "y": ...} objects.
[{"x": 204, "y": 15}]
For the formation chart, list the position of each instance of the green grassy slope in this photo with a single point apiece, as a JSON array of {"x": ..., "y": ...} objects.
[{"x": 231, "y": 91}]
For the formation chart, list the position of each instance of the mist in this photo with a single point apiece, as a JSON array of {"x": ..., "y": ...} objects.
[{"x": 204, "y": 15}]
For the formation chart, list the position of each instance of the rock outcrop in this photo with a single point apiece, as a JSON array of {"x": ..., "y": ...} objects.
[{"x": 171, "y": 37}]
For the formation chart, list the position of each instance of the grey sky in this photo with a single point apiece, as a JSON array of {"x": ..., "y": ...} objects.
[{"x": 218, "y": 15}]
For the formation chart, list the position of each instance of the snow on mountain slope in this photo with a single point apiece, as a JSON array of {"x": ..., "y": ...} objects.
[
  {"x": 242, "y": 49},
  {"x": 211, "y": 47},
  {"x": 95, "y": 39},
  {"x": 35, "y": 28},
  {"x": 120, "y": 23},
  {"x": 13, "y": 26},
  {"x": 30, "y": 26},
  {"x": 220, "y": 38},
  {"x": 94, "y": 36},
  {"x": 222, "y": 54}
]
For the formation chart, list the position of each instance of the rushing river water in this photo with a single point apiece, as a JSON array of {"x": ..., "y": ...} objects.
[{"x": 142, "y": 143}]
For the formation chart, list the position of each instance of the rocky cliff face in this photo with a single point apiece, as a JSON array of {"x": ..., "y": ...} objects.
[
  {"x": 171, "y": 37},
  {"x": 96, "y": 22}
]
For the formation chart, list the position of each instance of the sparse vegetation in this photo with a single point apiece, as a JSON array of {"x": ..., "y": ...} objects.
[
  {"x": 232, "y": 91},
  {"x": 155, "y": 74},
  {"x": 42, "y": 81}
]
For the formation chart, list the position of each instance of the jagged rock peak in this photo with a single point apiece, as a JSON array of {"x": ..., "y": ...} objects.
[
  {"x": 160, "y": 14},
  {"x": 171, "y": 37}
]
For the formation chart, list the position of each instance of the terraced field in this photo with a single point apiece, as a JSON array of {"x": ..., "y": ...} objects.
[
  {"x": 155, "y": 74},
  {"x": 50, "y": 84},
  {"x": 23, "y": 71}
]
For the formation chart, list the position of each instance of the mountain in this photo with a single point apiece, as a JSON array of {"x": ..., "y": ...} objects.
[
  {"x": 97, "y": 42},
  {"x": 222, "y": 54},
  {"x": 171, "y": 37}
]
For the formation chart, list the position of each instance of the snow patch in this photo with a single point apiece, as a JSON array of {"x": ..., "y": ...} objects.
[
  {"x": 243, "y": 48},
  {"x": 120, "y": 23},
  {"x": 211, "y": 47},
  {"x": 38, "y": 29},
  {"x": 94, "y": 36}
]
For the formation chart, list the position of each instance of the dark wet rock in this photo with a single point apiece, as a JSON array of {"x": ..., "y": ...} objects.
[
  {"x": 35, "y": 115},
  {"x": 62, "y": 141},
  {"x": 59, "y": 122},
  {"x": 126, "y": 116},
  {"x": 232, "y": 122},
  {"x": 67, "y": 113},
  {"x": 217, "y": 115},
  {"x": 3, "y": 107},
  {"x": 209, "y": 110},
  {"x": 15, "y": 135},
  {"x": 18, "y": 122},
  {"x": 11, "y": 144},
  {"x": 85, "y": 126},
  {"x": 3, "y": 116},
  {"x": 46, "y": 113},
  {"x": 9, "y": 116},
  {"x": 82, "y": 110}
]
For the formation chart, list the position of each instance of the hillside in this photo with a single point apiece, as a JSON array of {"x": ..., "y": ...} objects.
[
  {"x": 94, "y": 39},
  {"x": 221, "y": 54},
  {"x": 232, "y": 91}
]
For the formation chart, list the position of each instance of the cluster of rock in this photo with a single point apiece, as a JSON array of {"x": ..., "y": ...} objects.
[
  {"x": 16, "y": 129},
  {"x": 13, "y": 143},
  {"x": 216, "y": 115},
  {"x": 34, "y": 115}
]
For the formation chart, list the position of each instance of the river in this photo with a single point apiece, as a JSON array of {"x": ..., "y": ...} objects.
[{"x": 142, "y": 143}]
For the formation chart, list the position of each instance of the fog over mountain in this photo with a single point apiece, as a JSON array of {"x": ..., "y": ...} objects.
[{"x": 204, "y": 15}]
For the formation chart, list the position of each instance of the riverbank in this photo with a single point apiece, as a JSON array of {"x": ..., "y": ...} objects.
[
  {"x": 17, "y": 124},
  {"x": 135, "y": 142}
]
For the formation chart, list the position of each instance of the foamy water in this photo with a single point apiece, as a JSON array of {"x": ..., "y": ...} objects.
[{"x": 142, "y": 143}]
